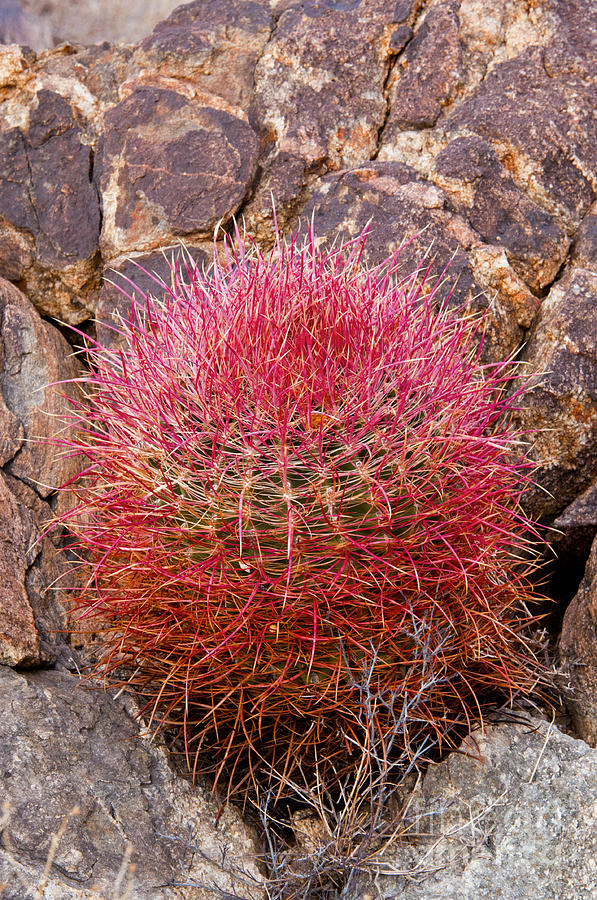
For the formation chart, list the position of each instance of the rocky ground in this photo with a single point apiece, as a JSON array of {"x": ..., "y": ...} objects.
[{"x": 470, "y": 126}]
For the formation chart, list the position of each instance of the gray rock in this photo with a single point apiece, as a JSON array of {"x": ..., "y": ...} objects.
[
  {"x": 63, "y": 746},
  {"x": 578, "y": 652},
  {"x": 512, "y": 815}
]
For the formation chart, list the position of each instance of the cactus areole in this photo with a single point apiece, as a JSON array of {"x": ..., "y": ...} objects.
[{"x": 300, "y": 511}]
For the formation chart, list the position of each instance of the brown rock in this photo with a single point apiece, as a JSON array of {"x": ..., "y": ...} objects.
[
  {"x": 34, "y": 357},
  {"x": 135, "y": 278},
  {"x": 584, "y": 249},
  {"x": 63, "y": 745},
  {"x": 170, "y": 167},
  {"x": 403, "y": 208},
  {"x": 320, "y": 98},
  {"x": 561, "y": 410},
  {"x": 578, "y": 653},
  {"x": 212, "y": 46},
  {"x": 574, "y": 48},
  {"x": 513, "y": 141},
  {"x": 19, "y": 645},
  {"x": 319, "y": 84},
  {"x": 498, "y": 209},
  {"x": 554, "y": 155},
  {"x": 49, "y": 208},
  {"x": 428, "y": 72}
]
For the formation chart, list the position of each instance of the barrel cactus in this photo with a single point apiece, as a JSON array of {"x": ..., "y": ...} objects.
[{"x": 299, "y": 519}]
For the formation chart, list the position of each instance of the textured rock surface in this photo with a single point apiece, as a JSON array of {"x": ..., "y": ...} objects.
[
  {"x": 49, "y": 205},
  {"x": 19, "y": 645},
  {"x": 170, "y": 167},
  {"x": 33, "y": 356},
  {"x": 397, "y": 202},
  {"x": 561, "y": 411},
  {"x": 514, "y": 817},
  {"x": 513, "y": 139},
  {"x": 578, "y": 652},
  {"x": 62, "y": 746}
]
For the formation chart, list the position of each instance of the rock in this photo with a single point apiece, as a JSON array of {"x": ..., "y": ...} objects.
[
  {"x": 19, "y": 645},
  {"x": 512, "y": 815},
  {"x": 498, "y": 209},
  {"x": 428, "y": 72},
  {"x": 49, "y": 207},
  {"x": 556, "y": 156},
  {"x": 560, "y": 412},
  {"x": 171, "y": 167},
  {"x": 64, "y": 745},
  {"x": 135, "y": 277},
  {"x": 584, "y": 249},
  {"x": 320, "y": 98},
  {"x": 212, "y": 46},
  {"x": 90, "y": 22},
  {"x": 34, "y": 576},
  {"x": 319, "y": 84},
  {"x": 404, "y": 208},
  {"x": 513, "y": 142},
  {"x": 577, "y": 525},
  {"x": 35, "y": 360},
  {"x": 578, "y": 653},
  {"x": 573, "y": 49}
]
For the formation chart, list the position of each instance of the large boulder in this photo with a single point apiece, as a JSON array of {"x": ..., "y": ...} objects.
[
  {"x": 77, "y": 770},
  {"x": 513, "y": 815}
]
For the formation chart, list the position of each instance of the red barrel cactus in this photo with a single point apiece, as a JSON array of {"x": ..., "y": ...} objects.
[{"x": 300, "y": 516}]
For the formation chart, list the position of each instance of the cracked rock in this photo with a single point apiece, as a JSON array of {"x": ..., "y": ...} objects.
[
  {"x": 406, "y": 209},
  {"x": 65, "y": 746},
  {"x": 512, "y": 815},
  {"x": 171, "y": 168},
  {"x": 49, "y": 207},
  {"x": 320, "y": 97},
  {"x": 34, "y": 359},
  {"x": 578, "y": 653},
  {"x": 560, "y": 412}
]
